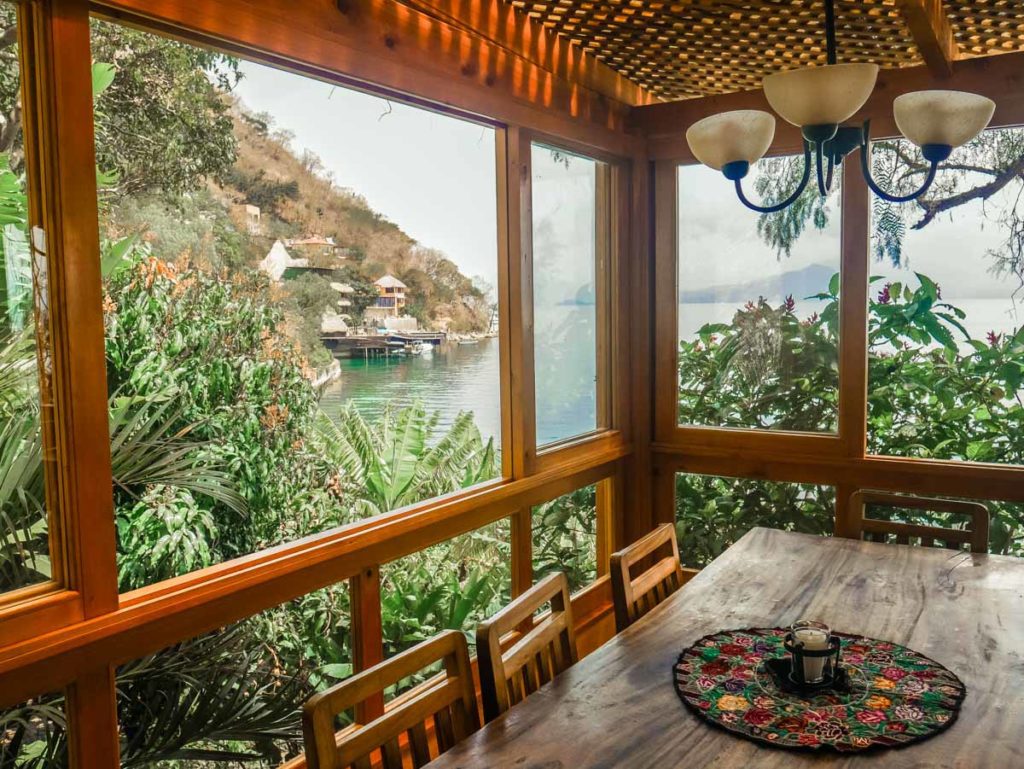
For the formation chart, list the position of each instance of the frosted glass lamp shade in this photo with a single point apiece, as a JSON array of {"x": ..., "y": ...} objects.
[
  {"x": 744, "y": 134},
  {"x": 949, "y": 118},
  {"x": 825, "y": 95}
]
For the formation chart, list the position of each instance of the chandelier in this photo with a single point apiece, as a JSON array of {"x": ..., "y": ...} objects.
[{"x": 819, "y": 100}]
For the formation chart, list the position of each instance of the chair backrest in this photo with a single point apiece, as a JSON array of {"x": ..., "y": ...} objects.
[
  {"x": 546, "y": 646},
  {"x": 874, "y": 530},
  {"x": 450, "y": 703},
  {"x": 634, "y": 597}
]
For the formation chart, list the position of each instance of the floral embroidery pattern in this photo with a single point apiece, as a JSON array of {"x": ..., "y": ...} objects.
[{"x": 897, "y": 696}]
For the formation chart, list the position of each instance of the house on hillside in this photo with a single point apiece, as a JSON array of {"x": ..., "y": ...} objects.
[
  {"x": 320, "y": 255},
  {"x": 391, "y": 298},
  {"x": 278, "y": 261}
]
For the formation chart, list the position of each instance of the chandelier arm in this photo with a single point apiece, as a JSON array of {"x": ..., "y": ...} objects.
[
  {"x": 824, "y": 179},
  {"x": 865, "y": 167},
  {"x": 788, "y": 201}
]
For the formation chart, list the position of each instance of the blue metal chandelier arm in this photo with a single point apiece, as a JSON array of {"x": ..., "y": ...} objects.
[
  {"x": 788, "y": 201},
  {"x": 933, "y": 153}
]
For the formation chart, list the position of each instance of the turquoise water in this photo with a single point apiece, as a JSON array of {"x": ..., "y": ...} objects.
[{"x": 453, "y": 378}]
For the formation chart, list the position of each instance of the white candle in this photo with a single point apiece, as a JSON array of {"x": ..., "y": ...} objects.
[{"x": 813, "y": 639}]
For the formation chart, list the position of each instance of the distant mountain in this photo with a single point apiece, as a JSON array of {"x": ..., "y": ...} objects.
[{"x": 801, "y": 283}]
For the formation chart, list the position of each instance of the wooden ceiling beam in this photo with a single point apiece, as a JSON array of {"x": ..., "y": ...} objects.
[
  {"x": 500, "y": 23},
  {"x": 932, "y": 31},
  {"x": 384, "y": 45}
]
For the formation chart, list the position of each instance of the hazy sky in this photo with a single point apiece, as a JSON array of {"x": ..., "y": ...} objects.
[
  {"x": 720, "y": 235},
  {"x": 431, "y": 174}
]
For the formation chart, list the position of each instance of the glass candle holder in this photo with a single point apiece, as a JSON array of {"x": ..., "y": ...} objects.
[{"x": 814, "y": 650}]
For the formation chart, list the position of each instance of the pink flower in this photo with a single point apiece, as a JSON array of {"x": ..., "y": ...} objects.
[
  {"x": 871, "y": 716},
  {"x": 883, "y": 295},
  {"x": 705, "y": 682},
  {"x": 993, "y": 338},
  {"x": 894, "y": 673},
  {"x": 790, "y": 304}
]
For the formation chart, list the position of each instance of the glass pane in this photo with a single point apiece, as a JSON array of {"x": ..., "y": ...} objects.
[
  {"x": 452, "y": 585},
  {"x": 712, "y": 512},
  {"x": 564, "y": 293},
  {"x": 758, "y": 303},
  {"x": 565, "y": 537},
  {"x": 33, "y": 734},
  {"x": 233, "y": 697},
  {"x": 946, "y": 362},
  {"x": 24, "y": 386},
  {"x": 299, "y": 302}
]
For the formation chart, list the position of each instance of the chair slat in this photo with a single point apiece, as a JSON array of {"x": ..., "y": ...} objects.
[{"x": 419, "y": 745}]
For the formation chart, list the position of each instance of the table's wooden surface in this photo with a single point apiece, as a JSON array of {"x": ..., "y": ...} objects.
[{"x": 618, "y": 707}]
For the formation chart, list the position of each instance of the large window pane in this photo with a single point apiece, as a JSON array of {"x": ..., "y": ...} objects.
[
  {"x": 758, "y": 303},
  {"x": 713, "y": 512},
  {"x": 565, "y": 537},
  {"x": 565, "y": 312},
  {"x": 946, "y": 374},
  {"x": 24, "y": 385},
  {"x": 299, "y": 302},
  {"x": 33, "y": 735}
]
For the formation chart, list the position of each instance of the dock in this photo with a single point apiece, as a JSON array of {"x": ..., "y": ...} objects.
[{"x": 367, "y": 346}]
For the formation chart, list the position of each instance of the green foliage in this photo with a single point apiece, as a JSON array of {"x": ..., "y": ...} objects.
[
  {"x": 261, "y": 191},
  {"x": 713, "y": 512},
  {"x": 934, "y": 392},
  {"x": 565, "y": 537},
  {"x": 394, "y": 462},
  {"x": 163, "y": 122},
  {"x": 768, "y": 369}
]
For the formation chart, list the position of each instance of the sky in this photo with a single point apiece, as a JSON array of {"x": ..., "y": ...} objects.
[
  {"x": 431, "y": 174},
  {"x": 722, "y": 236}
]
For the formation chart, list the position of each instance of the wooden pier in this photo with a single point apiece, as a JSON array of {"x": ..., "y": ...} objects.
[{"x": 368, "y": 346}]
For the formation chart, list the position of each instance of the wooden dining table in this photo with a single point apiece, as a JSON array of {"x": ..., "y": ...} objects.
[{"x": 618, "y": 706}]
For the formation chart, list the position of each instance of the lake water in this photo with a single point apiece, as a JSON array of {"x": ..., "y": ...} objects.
[
  {"x": 466, "y": 377},
  {"x": 454, "y": 378}
]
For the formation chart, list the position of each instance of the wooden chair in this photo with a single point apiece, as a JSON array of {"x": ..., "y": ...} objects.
[
  {"x": 975, "y": 535},
  {"x": 543, "y": 651},
  {"x": 635, "y": 597},
  {"x": 450, "y": 704}
]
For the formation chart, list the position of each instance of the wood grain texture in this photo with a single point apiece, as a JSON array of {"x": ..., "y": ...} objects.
[{"x": 618, "y": 708}]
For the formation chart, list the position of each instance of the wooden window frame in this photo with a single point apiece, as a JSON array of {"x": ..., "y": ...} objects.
[
  {"x": 840, "y": 460},
  {"x": 74, "y": 639}
]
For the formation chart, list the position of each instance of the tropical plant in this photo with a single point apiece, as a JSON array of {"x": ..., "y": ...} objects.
[
  {"x": 394, "y": 462},
  {"x": 565, "y": 537}
]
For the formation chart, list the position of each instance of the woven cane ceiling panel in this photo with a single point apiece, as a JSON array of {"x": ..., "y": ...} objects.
[
  {"x": 690, "y": 48},
  {"x": 985, "y": 27}
]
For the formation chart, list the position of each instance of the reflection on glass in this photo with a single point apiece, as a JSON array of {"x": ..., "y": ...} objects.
[
  {"x": 452, "y": 585},
  {"x": 565, "y": 537},
  {"x": 712, "y": 512},
  {"x": 758, "y": 304},
  {"x": 564, "y": 293},
  {"x": 24, "y": 386},
  {"x": 946, "y": 335},
  {"x": 283, "y": 356}
]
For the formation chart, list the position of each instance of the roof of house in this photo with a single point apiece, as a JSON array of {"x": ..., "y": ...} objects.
[{"x": 389, "y": 281}]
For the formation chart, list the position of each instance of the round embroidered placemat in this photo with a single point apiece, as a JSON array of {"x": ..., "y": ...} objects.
[{"x": 896, "y": 696}]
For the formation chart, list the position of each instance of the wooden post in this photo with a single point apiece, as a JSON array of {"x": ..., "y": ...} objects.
[
  {"x": 367, "y": 638},
  {"x": 92, "y": 720}
]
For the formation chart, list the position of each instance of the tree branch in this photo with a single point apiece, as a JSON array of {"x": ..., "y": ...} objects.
[{"x": 932, "y": 208}]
